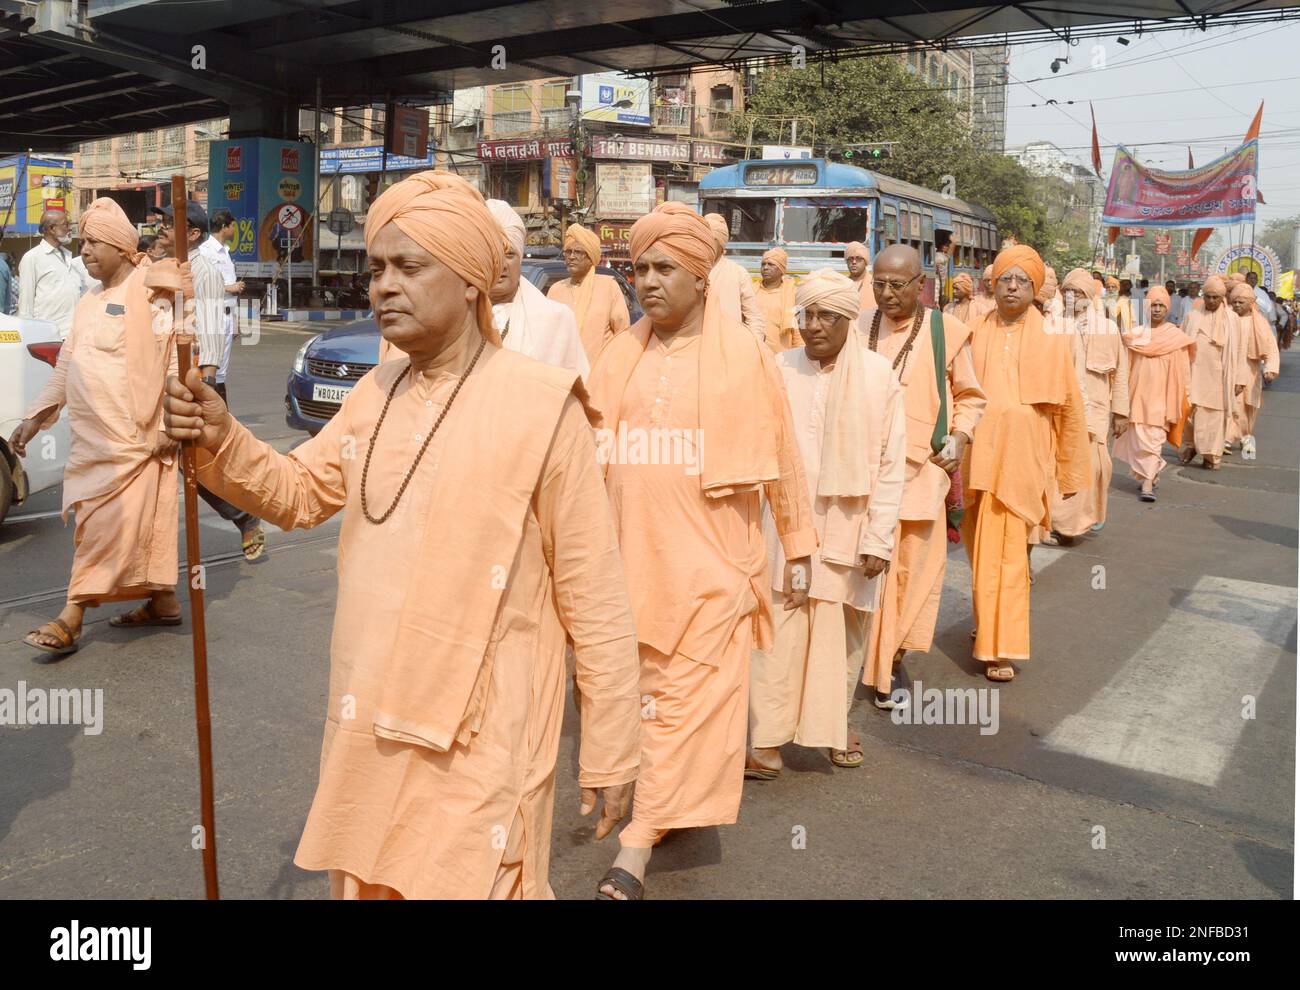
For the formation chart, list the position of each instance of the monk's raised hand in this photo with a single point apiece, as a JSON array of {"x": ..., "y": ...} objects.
[
  {"x": 874, "y": 566},
  {"x": 192, "y": 410},
  {"x": 617, "y": 803},
  {"x": 22, "y": 436}
]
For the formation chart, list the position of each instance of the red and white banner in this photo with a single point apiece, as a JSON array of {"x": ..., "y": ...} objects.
[{"x": 1220, "y": 193}]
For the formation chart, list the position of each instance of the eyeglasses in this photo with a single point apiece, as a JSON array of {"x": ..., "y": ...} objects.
[
  {"x": 822, "y": 317},
  {"x": 879, "y": 285},
  {"x": 1007, "y": 281},
  {"x": 574, "y": 253}
]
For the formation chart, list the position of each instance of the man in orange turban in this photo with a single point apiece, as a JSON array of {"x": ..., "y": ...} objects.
[
  {"x": 731, "y": 285},
  {"x": 1101, "y": 366},
  {"x": 1259, "y": 345},
  {"x": 942, "y": 409},
  {"x": 857, "y": 259},
  {"x": 1033, "y": 434},
  {"x": 120, "y": 479},
  {"x": 963, "y": 288},
  {"x": 477, "y": 540},
  {"x": 695, "y": 424},
  {"x": 596, "y": 300},
  {"x": 1160, "y": 366},
  {"x": 1220, "y": 373},
  {"x": 776, "y": 302}
]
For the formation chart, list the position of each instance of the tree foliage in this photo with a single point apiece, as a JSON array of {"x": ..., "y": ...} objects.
[
  {"x": 1279, "y": 234},
  {"x": 872, "y": 100}
]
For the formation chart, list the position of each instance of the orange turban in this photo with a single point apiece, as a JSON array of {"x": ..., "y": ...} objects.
[
  {"x": 447, "y": 217},
  {"x": 510, "y": 223},
  {"x": 678, "y": 231},
  {"x": 1242, "y": 291},
  {"x": 1045, "y": 294},
  {"x": 718, "y": 227},
  {"x": 856, "y": 249},
  {"x": 1238, "y": 277},
  {"x": 1216, "y": 283},
  {"x": 580, "y": 237},
  {"x": 1156, "y": 294},
  {"x": 1078, "y": 282},
  {"x": 963, "y": 281},
  {"x": 1112, "y": 283},
  {"x": 778, "y": 257},
  {"x": 105, "y": 221},
  {"x": 1025, "y": 258}
]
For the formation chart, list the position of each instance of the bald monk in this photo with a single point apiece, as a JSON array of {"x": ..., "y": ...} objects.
[
  {"x": 1159, "y": 371},
  {"x": 1220, "y": 373},
  {"x": 596, "y": 300},
  {"x": 1101, "y": 367},
  {"x": 851, "y": 431},
  {"x": 857, "y": 259},
  {"x": 1259, "y": 344},
  {"x": 120, "y": 478},
  {"x": 527, "y": 321},
  {"x": 689, "y": 526},
  {"x": 776, "y": 301},
  {"x": 939, "y": 427},
  {"x": 477, "y": 538},
  {"x": 1033, "y": 433},
  {"x": 731, "y": 285}
]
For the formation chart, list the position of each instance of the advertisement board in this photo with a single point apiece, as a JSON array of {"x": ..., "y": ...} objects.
[
  {"x": 27, "y": 187},
  {"x": 624, "y": 191},
  {"x": 601, "y": 91},
  {"x": 335, "y": 161},
  {"x": 269, "y": 186}
]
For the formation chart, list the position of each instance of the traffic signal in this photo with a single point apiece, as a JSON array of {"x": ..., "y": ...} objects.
[{"x": 865, "y": 152}]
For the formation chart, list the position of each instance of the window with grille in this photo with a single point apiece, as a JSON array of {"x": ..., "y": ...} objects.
[{"x": 512, "y": 109}]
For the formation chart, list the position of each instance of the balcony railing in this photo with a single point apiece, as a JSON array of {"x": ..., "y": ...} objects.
[{"x": 674, "y": 119}]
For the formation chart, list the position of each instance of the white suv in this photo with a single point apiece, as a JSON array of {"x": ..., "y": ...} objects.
[{"x": 28, "y": 352}]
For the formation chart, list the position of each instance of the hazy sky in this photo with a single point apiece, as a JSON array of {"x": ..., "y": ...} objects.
[{"x": 1189, "y": 87}]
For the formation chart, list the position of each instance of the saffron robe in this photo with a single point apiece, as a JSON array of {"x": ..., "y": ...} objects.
[
  {"x": 733, "y": 288},
  {"x": 780, "y": 324},
  {"x": 1157, "y": 395},
  {"x": 120, "y": 478},
  {"x": 545, "y": 331},
  {"x": 909, "y": 605},
  {"x": 599, "y": 307},
  {"x": 697, "y": 574},
  {"x": 1033, "y": 433},
  {"x": 1219, "y": 365},
  {"x": 1101, "y": 367},
  {"x": 400, "y": 804}
]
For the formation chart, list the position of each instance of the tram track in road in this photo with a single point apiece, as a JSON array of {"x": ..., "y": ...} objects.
[{"x": 214, "y": 560}]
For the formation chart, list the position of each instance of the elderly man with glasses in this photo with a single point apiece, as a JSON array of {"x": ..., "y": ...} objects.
[
  {"x": 1033, "y": 433},
  {"x": 49, "y": 284},
  {"x": 596, "y": 300},
  {"x": 942, "y": 410}
]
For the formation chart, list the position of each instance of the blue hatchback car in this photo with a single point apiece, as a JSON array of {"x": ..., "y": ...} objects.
[{"x": 328, "y": 365}]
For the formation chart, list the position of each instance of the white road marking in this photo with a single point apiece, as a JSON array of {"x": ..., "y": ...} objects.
[
  {"x": 52, "y": 514},
  {"x": 1175, "y": 708}
]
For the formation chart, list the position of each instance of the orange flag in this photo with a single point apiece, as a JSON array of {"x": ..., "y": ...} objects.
[
  {"x": 1253, "y": 131},
  {"x": 1096, "y": 145},
  {"x": 1198, "y": 240},
  {"x": 1112, "y": 235}
]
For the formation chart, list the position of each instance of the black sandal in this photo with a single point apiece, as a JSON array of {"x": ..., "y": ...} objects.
[{"x": 629, "y": 886}]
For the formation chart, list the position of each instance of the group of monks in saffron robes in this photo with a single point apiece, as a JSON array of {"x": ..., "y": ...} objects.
[{"x": 717, "y": 521}]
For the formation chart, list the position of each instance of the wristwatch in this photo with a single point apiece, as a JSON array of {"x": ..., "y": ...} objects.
[{"x": 210, "y": 380}]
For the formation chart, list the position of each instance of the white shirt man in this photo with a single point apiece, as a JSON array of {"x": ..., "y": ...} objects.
[
  {"x": 219, "y": 256},
  {"x": 48, "y": 285}
]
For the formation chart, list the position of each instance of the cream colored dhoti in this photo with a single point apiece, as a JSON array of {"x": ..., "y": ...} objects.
[{"x": 800, "y": 691}]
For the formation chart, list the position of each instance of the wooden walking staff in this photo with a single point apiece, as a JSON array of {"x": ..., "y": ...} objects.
[{"x": 202, "y": 716}]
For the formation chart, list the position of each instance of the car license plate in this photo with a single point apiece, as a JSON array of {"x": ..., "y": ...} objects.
[{"x": 330, "y": 393}]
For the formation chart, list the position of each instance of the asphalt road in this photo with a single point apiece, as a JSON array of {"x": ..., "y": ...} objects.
[{"x": 1147, "y": 751}]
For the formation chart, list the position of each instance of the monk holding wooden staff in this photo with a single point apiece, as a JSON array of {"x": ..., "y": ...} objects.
[{"x": 477, "y": 538}]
